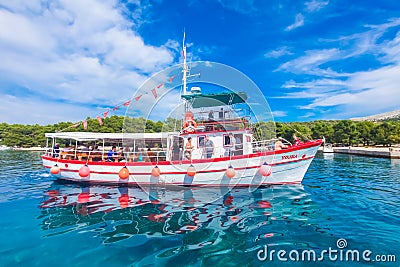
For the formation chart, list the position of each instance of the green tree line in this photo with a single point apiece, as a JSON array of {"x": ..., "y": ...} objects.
[{"x": 343, "y": 132}]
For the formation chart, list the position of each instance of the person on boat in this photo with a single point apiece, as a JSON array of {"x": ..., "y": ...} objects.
[
  {"x": 296, "y": 140},
  {"x": 96, "y": 153},
  {"x": 279, "y": 145},
  {"x": 188, "y": 148},
  {"x": 231, "y": 147},
  {"x": 151, "y": 155},
  {"x": 112, "y": 155},
  {"x": 209, "y": 147},
  {"x": 56, "y": 150},
  {"x": 211, "y": 115},
  {"x": 221, "y": 114}
]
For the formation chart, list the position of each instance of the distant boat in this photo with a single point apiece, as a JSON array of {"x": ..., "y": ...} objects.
[{"x": 327, "y": 148}]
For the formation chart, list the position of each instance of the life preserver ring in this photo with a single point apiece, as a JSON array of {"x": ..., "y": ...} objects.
[{"x": 189, "y": 126}]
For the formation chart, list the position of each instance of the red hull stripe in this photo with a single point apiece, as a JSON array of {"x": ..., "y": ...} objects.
[
  {"x": 200, "y": 171},
  {"x": 181, "y": 184}
]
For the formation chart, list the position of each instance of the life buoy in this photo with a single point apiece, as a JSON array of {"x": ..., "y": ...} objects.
[{"x": 189, "y": 126}]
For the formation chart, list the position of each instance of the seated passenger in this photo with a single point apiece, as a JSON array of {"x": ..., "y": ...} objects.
[
  {"x": 296, "y": 140},
  {"x": 112, "y": 154},
  {"x": 279, "y": 145},
  {"x": 56, "y": 150}
]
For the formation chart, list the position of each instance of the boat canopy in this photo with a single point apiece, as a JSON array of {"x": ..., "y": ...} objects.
[
  {"x": 89, "y": 136},
  {"x": 214, "y": 100}
]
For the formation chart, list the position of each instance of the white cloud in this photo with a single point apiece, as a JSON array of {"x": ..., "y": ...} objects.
[
  {"x": 279, "y": 113},
  {"x": 279, "y": 52},
  {"x": 298, "y": 22},
  {"x": 315, "y": 5},
  {"x": 310, "y": 62},
  {"x": 371, "y": 90},
  {"x": 85, "y": 51}
]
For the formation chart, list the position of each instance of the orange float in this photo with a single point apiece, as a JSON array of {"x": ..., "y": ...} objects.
[
  {"x": 84, "y": 171},
  {"x": 155, "y": 171},
  {"x": 123, "y": 173},
  {"x": 265, "y": 169},
  {"x": 191, "y": 171},
  {"x": 55, "y": 169},
  {"x": 230, "y": 172}
]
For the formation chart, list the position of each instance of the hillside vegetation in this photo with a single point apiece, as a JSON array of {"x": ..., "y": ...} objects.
[{"x": 343, "y": 132}]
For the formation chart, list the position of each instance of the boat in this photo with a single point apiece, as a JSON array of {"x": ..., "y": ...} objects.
[
  {"x": 218, "y": 140},
  {"x": 327, "y": 148}
]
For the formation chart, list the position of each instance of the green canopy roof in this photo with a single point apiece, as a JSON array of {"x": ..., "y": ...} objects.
[{"x": 214, "y": 100}]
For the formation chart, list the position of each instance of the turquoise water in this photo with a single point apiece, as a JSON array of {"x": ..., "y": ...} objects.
[{"x": 48, "y": 223}]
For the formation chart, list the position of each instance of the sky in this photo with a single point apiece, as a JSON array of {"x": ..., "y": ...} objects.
[{"x": 65, "y": 60}]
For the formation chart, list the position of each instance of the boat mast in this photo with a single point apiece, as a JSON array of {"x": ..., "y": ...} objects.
[{"x": 185, "y": 69}]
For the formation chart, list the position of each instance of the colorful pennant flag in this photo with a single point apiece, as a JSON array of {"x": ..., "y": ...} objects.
[
  {"x": 115, "y": 108},
  {"x": 127, "y": 103},
  {"x": 76, "y": 125},
  {"x": 154, "y": 92},
  {"x": 105, "y": 114},
  {"x": 99, "y": 120},
  {"x": 84, "y": 123},
  {"x": 160, "y": 85},
  {"x": 171, "y": 78},
  {"x": 138, "y": 97}
]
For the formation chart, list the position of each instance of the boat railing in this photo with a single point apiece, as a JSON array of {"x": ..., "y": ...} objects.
[
  {"x": 89, "y": 155},
  {"x": 268, "y": 144}
]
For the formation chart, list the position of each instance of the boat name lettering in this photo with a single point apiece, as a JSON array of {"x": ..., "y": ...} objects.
[{"x": 292, "y": 156}]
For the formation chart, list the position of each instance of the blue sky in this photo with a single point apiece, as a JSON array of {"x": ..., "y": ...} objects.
[{"x": 64, "y": 60}]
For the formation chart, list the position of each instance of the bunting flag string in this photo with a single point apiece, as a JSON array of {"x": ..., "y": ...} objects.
[{"x": 125, "y": 104}]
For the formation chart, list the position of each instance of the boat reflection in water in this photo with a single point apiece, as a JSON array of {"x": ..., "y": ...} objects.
[{"x": 117, "y": 213}]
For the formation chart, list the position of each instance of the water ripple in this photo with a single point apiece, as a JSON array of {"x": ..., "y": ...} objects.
[{"x": 342, "y": 197}]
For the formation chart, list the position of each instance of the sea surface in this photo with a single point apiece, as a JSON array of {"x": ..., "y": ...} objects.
[{"x": 345, "y": 203}]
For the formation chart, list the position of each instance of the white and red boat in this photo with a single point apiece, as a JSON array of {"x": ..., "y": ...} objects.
[
  {"x": 252, "y": 163},
  {"x": 231, "y": 156}
]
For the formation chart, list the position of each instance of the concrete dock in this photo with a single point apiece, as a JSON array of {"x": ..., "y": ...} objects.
[{"x": 379, "y": 152}]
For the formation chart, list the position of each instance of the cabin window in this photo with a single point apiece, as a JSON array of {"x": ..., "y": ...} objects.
[{"x": 239, "y": 143}]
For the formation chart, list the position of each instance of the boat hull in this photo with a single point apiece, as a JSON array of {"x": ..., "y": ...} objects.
[{"x": 286, "y": 167}]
